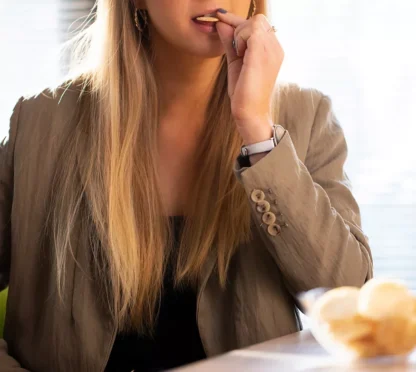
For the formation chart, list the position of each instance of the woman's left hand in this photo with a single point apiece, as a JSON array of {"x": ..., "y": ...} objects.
[{"x": 253, "y": 68}]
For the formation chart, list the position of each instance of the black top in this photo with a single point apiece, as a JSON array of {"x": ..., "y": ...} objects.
[{"x": 176, "y": 339}]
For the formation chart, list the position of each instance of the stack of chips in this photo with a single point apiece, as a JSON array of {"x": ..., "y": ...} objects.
[{"x": 378, "y": 319}]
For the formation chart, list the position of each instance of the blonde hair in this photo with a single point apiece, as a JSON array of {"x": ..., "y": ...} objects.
[{"x": 108, "y": 178}]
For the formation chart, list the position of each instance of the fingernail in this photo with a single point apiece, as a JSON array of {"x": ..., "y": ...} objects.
[
  {"x": 221, "y": 10},
  {"x": 235, "y": 46}
]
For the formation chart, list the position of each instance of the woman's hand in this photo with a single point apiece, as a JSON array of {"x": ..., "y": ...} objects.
[{"x": 252, "y": 72}]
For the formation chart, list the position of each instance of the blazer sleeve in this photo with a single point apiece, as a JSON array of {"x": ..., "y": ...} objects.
[
  {"x": 7, "y": 363},
  {"x": 320, "y": 243}
]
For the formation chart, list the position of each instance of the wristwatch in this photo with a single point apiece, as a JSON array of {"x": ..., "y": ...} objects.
[{"x": 264, "y": 146}]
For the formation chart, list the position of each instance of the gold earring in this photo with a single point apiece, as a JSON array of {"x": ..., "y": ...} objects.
[
  {"x": 254, "y": 8},
  {"x": 143, "y": 16}
]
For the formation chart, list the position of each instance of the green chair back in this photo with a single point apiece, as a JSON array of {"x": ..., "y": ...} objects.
[{"x": 3, "y": 301}]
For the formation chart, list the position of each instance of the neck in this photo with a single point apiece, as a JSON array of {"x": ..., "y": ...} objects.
[{"x": 185, "y": 82}]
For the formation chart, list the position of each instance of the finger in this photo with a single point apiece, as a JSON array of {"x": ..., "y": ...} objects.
[
  {"x": 241, "y": 39},
  {"x": 257, "y": 25},
  {"x": 241, "y": 35},
  {"x": 226, "y": 34},
  {"x": 231, "y": 19}
]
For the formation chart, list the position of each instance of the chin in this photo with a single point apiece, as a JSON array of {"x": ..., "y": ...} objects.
[
  {"x": 210, "y": 54},
  {"x": 211, "y": 50}
]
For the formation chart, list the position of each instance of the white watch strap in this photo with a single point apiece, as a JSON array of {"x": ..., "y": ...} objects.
[
  {"x": 257, "y": 148},
  {"x": 264, "y": 146}
]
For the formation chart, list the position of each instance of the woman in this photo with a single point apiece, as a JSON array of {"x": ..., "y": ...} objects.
[{"x": 139, "y": 236}]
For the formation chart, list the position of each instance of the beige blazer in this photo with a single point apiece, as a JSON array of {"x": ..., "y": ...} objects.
[{"x": 302, "y": 178}]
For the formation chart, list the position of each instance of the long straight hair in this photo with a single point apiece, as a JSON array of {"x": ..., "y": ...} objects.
[{"x": 109, "y": 181}]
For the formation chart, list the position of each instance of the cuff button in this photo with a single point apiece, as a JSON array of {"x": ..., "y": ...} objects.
[
  {"x": 274, "y": 230},
  {"x": 263, "y": 206},
  {"x": 269, "y": 218},
  {"x": 257, "y": 195}
]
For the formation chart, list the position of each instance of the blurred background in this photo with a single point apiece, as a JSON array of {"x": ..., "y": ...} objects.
[{"x": 360, "y": 53}]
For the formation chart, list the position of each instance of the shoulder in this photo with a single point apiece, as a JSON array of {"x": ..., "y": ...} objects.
[
  {"x": 45, "y": 115},
  {"x": 41, "y": 121},
  {"x": 301, "y": 110},
  {"x": 62, "y": 97},
  {"x": 298, "y": 103}
]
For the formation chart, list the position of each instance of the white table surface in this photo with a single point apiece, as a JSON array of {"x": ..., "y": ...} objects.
[{"x": 297, "y": 352}]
